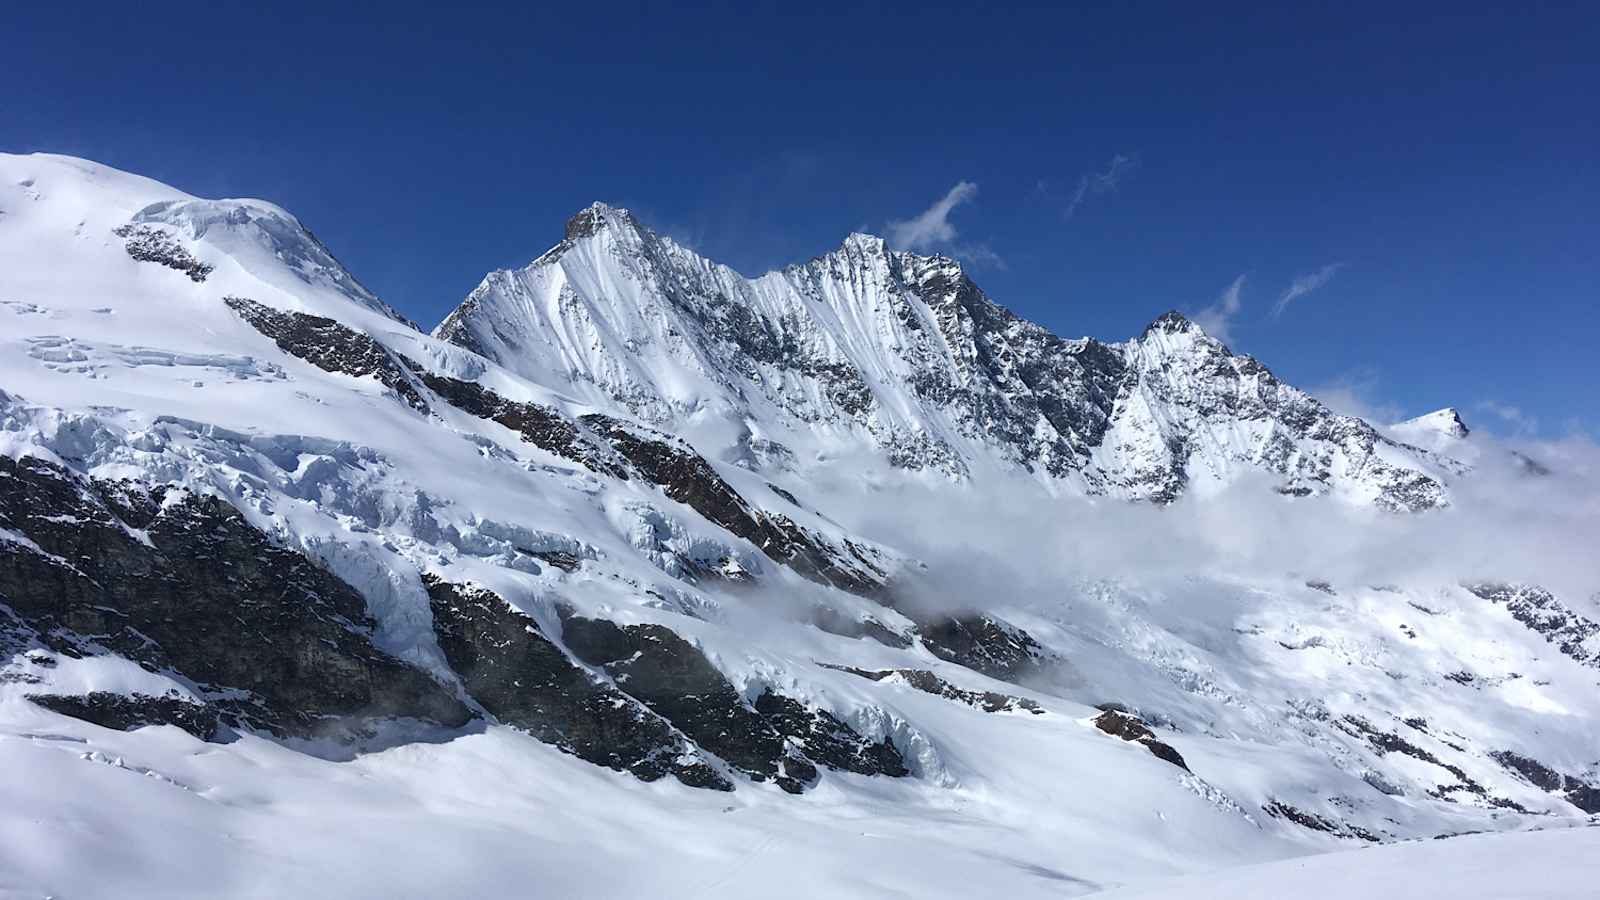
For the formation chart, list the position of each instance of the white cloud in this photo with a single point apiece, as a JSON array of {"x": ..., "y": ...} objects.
[
  {"x": 979, "y": 254},
  {"x": 1305, "y": 284},
  {"x": 1355, "y": 393},
  {"x": 1009, "y": 541},
  {"x": 933, "y": 226},
  {"x": 1217, "y": 319},
  {"x": 1521, "y": 423},
  {"x": 1100, "y": 182}
]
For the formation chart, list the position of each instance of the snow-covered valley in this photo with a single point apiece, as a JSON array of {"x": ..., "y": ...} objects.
[{"x": 639, "y": 576}]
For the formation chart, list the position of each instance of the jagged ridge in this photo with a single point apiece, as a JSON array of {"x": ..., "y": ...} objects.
[{"x": 904, "y": 354}]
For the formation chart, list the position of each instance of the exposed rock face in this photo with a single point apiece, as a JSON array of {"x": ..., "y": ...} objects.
[
  {"x": 1281, "y": 810},
  {"x": 776, "y": 738},
  {"x": 609, "y": 446},
  {"x": 927, "y": 682},
  {"x": 540, "y": 426},
  {"x": 1131, "y": 728},
  {"x": 832, "y": 621},
  {"x": 182, "y": 582},
  {"x": 125, "y": 712},
  {"x": 1192, "y": 391},
  {"x": 1580, "y": 793},
  {"x": 672, "y": 677},
  {"x": 1539, "y": 610},
  {"x": 686, "y": 477},
  {"x": 1385, "y": 742},
  {"x": 329, "y": 346},
  {"x": 827, "y": 741},
  {"x": 149, "y": 243},
  {"x": 982, "y": 643},
  {"x": 907, "y": 356},
  {"x": 523, "y": 679}
]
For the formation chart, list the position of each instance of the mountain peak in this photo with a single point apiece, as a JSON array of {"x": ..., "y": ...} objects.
[
  {"x": 1446, "y": 422},
  {"x": 1172, "y": 322},
  {"x": 864, "y": 241},
  {"x": 596, "y": 216}
]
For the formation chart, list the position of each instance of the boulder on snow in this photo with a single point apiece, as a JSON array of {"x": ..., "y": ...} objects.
[{"x": 1131, "y": 728}]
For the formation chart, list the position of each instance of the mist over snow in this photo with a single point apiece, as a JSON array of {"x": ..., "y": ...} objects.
[{"x": 1529, "y": 512}]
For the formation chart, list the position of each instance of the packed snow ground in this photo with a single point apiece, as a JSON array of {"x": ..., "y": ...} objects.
[
  {"x": 1548, "y": 865},
  {"x": 1246, "y": 626},
  {"x": 93, "y": 813}
]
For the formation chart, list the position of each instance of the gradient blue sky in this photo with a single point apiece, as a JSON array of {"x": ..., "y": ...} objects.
[{"x": 1433, "y": 175}]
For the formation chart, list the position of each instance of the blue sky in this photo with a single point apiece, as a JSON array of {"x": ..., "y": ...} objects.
[{"x": 1429, "y": 178}]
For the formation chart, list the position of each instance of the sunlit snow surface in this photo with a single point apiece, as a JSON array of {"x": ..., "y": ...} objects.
[{"x": 1246, "y": 626}]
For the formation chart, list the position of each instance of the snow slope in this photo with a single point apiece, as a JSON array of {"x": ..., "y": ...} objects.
[
  {"x": 1500, "y": 867},
  {"x": 156, "y": 348}
]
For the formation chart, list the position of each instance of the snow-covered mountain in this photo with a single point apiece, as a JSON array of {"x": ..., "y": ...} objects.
[
  {"x": 642, "y": 576},
  {"x": 902, "y": 353}
]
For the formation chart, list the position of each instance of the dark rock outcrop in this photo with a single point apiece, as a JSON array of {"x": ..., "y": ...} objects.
[
  {"x": 1131, "y": 728},
  {"x": 673, "y": 678},
  {"x": 612, "y": 447},
  {"x": 1385, "y": 742},
  {"x": 1013, "y": 375},
  {"x": 329, "y": 346},
  {"x": 927, "y": 682},
  {"x": 518, "y": 675},
  {"x": 777, "y": 738},
  {"x": 1574, "y": 790},
  {"x": 1280, "y": 810},
  {"x": 149, "y": 243},
  {"x": 982, "y": 643},
  {"x": 540, "y": 426},
  {"x": 1540, "y": 612},
  {"x": 832, "y": 621},
  {"x": 828, "y": 741},
  {"x": 125, "y": 712},
  {"x": 181, "y": 582},
  {"x": 686, "y": 477}
]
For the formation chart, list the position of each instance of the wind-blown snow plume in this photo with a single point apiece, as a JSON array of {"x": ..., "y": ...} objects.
[
  {"x": 1099, "y": 182},
  {"x": 1217, "y": 319},
  {"x": 1356, "y": 393},
  {"x": 1513, "y": 416},
  {"x": 1304, "y": 285},
  {"x": 933, "y": 225}
]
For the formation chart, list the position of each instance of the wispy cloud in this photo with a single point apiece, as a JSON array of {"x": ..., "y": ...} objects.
[
  {"x": 1356, "y": 393},
  {"x": 1304, "y": 285},
  {"x": 1100, "y": 182},
  {"x": 1217, "y": 319},
  {"x": 933, "y": 226},
  {"x": 979, "y": 254},
  {"x": 1520, "y": 422},
  {"x": 933, "y": 230}
]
